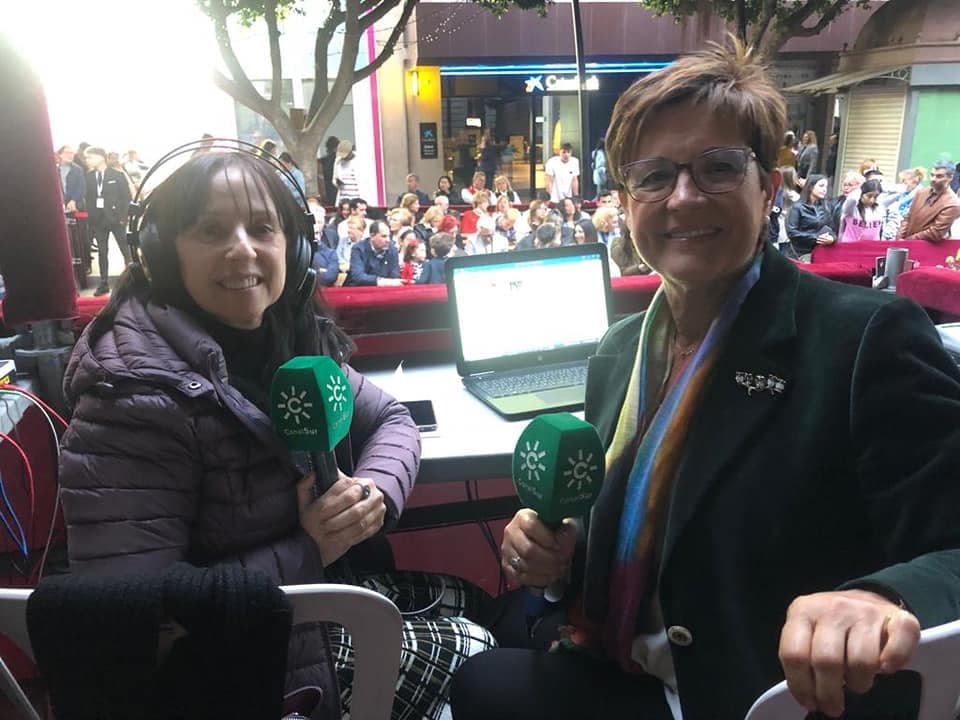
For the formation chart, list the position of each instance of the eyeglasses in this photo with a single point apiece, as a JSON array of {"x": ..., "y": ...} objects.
[{"x": 716, "y": 171}]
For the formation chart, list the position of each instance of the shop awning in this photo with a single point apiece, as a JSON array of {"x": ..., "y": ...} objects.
[{"x": 838, "y": 81}]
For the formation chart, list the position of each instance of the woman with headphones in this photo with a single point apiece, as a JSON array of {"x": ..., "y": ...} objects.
[{"x": 170, "y": 455}]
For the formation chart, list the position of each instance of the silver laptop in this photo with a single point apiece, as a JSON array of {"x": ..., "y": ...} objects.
[{"x": 525, "y": 322}]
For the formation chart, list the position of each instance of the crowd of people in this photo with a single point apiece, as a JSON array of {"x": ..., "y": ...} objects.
[
  {"x": 423, "y": 230},
  {"x": 868, "y": 206}
]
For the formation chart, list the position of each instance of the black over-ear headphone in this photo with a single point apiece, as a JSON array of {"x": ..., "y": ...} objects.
[{"x": 144, "y": 241}]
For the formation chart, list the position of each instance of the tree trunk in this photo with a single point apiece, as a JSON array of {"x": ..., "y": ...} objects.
[
  {"x": 304, "y": 152},
  {"x": 742, "y": 20}
]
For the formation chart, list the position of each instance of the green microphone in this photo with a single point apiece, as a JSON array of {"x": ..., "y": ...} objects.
[
  {"x": 311, "y": 406},
  {"x": 558, "y": 470}
]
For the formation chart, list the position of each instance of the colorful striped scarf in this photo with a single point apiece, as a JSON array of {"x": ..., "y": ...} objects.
[{"x": 658, "y": 437}]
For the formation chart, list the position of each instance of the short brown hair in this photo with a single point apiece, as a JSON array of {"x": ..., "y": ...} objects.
[
  {"x": 441, "y": 244},
  {"x": 727, "y": 78}
]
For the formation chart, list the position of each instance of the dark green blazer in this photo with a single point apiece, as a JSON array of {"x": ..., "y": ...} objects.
[{"x": 846, "y": 478}]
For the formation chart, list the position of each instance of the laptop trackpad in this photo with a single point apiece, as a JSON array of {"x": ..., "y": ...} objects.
[{"x": 561, "y": 396}]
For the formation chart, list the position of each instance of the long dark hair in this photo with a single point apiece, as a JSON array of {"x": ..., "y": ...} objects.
[
  {"x": 589, "y": 231},
  {"x": 869, "y": 186},
  {"x": 175, "y": 205},
  {"x": 808, "y": 188}
]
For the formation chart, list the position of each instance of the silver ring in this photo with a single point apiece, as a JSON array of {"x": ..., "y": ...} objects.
[
  {"x": 365, "y": 493},
  {"x": 515, "y": 562}
]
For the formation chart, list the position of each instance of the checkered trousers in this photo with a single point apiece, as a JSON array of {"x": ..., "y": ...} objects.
[{"x": 436, "y": 642}]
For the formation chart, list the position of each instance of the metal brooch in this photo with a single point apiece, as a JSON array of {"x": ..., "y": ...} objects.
[{"x": 760, "y": 383}]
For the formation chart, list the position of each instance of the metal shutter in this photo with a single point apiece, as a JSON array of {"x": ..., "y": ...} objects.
[{"x": 872, "y": 128}]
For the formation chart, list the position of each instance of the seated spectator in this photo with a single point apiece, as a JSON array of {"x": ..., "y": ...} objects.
[
  {"x": 399, "y": 220},
  {"x": 606, "y": 220},
  {"x": 506, "y": 225},
  {"x": 374, "y": 260},
  {"x": 356, "y": 227},
  {"x": 429, "y": 225},
  {"x": 486, "y": 240},
  {"x": 502, "y": 189},
  {"x": 479, "y": 183},
  {"x": 584, "y": 232},
  {"x": 434, "y": 270},
  {"x": 327, "y": 264},
  {"x": 503, "y": 204},
  {"x": 411, "y": 203},
  {"x": 444, "y": 188},
  {"x": 532, "y": 218},
  {"x": 606, "y": 198},
  {"x": 342, "y": 213},
  {"x": 413, "y": 187},
  {"x": 358, "y": 208},
  {"x": 934, "y": 208},
  {"x": 481, "y": 203},
  {"x": 407, "y": 236},
  {"x": 546, "y": 236},
  {"x": 414, "y": 256},
  {"x": 442, "y": 202}
]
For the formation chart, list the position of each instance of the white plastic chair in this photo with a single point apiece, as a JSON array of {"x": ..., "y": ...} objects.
[
  {"x": 935, "y": 661},
  {"x": 373, "y": 621}
]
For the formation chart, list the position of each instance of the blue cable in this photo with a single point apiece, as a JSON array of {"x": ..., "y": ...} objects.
[{"x": 23, "y": 538}]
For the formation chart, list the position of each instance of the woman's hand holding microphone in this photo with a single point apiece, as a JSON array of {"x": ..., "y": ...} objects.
[
  {"x": 351, "y": 511},
  {"x": 534, "y": 554}
]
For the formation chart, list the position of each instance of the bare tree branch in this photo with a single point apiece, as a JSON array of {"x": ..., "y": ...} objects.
[
  {"x": 376, "y": 15},
  {"x": 766, "y": 20},
  {"x": 345, "y": 76},
  {"x": 241, "y": 81},
  {"x": 826, "y": 17},
  {"x": 388, "y": 47},
  {"x": 804, "y": 11},
  {"x": 245, "y": 95},
  {"x": 276, "y": 63},
  {"x": 321, "y": 71}
]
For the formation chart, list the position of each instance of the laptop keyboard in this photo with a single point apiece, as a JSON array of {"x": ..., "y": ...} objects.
[{"x": 533, "y": 381}]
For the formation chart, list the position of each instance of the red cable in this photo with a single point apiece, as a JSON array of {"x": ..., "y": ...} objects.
[
  {"x": 32, "y": 490},
  {"x": 37, "y": 400}
]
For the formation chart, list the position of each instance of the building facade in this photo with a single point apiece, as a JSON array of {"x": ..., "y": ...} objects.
[
  {"x": 898, "y": 89},
  {"x": 466, "y": 73}
]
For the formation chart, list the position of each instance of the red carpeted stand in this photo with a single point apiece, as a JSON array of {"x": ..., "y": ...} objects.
[{"x": 35, "y": 256}]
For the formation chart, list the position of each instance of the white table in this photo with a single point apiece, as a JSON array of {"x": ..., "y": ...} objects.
[{"x": 472, "y": 442}]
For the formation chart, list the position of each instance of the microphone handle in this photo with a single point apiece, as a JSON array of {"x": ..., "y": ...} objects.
[
  {"x": 534, "y": 601},
  {"x": 325, "y": 466}
]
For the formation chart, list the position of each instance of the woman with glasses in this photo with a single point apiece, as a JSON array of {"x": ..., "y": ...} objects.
[{"x": 780, "y": 492}]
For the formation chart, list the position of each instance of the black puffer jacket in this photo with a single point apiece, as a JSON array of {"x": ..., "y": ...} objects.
[{"x": 165, "y": 461}]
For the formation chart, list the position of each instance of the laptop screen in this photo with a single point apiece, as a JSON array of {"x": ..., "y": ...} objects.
[{"x": 519, "y": 303}]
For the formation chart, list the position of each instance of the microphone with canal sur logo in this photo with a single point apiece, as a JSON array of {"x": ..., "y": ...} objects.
[
  {"x": 558, "y": 470},
  {"x": 311, "y": 406}
]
